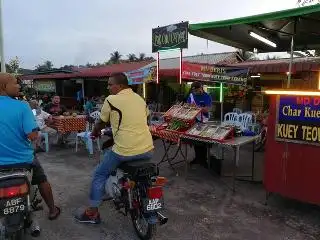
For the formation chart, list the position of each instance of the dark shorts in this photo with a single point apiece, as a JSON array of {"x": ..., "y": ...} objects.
[{"x": 38, "y": 175}]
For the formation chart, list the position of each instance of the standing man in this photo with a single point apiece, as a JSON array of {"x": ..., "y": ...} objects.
[{"x": 201, "y": 99}]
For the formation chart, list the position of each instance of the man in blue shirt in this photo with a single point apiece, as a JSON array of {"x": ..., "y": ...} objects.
[
  {"x": 200, "y": 98},
  {"x": 18, "y": 128}
]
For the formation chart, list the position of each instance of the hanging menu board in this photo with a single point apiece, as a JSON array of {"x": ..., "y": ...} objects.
[
  {"x": 298, "y": 119},
  {"x": 45, "y": 86}
]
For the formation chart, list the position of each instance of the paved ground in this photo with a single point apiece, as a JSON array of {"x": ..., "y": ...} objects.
[{"x": 199, "y": 207}]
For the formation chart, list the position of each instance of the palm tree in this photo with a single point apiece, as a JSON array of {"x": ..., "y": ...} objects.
[
  {"x": 142, "y": 56},
  {"x": 115, "y": 57},
  {"x": 132, "y": 57}
]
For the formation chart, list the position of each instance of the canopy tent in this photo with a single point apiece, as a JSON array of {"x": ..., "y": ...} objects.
[
  {"x": 288, "y": 30},
  {"x": 278, "y": 27}
]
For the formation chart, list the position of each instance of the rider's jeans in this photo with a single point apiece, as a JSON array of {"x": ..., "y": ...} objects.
[{"x": 110, "y": 163}]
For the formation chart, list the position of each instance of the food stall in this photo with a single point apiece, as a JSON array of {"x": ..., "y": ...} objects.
[
  {"x": 181, "y": 129},
  {"x": 177, "y": 120},
  {"x": 291, "y": 164}
]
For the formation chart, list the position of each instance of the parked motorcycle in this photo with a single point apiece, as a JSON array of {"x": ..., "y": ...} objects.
[
  {"x": 262, "y": 138},
  {"x": 18, "y": 201},
  {"x": 136, "y": 189}
]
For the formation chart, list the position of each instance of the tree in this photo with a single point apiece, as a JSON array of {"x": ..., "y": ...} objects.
[
  {"x": 142, "y": 56},
  {"x": 115, "y": 57},
  {"x": 46, "y": 66},
  {"x": 132, "y": 57},
  {"x": 13, "y": 65},
  {"x": 303, "y": 3}
]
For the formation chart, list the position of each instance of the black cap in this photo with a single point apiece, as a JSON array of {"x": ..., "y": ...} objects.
[{"x": 196, "y": 85}]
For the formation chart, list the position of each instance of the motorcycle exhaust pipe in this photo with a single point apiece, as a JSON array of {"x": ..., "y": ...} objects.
[
  {"x": 162, "y": 219},
  {"x": 35, "y": 229}
]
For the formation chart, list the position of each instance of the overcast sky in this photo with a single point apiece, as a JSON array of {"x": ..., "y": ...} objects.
[{"x": 81, "y": 31}]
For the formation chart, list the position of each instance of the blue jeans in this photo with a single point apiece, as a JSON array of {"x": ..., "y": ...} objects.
[{"x": 110, "y": 163}]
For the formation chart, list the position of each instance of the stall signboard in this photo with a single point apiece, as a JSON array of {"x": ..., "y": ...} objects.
[
  {"x": 142, "y": 76},
  {"x": 170, "y": 37},
  {"x": 214, "y": 73},
  {"x": 298, "y": 119},
  {"x": 45, "y": 86}
]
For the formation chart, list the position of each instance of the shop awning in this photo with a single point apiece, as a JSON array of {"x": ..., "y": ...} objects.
[{"x": 278, "y": 27}]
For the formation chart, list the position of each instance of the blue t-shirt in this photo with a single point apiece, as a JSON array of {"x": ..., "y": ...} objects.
[
  {"x": 16, "y": 123},
  {"x": 201, "y": 100}
]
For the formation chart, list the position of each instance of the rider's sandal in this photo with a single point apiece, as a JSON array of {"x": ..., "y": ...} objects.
[{"x": 54, "y": 217}]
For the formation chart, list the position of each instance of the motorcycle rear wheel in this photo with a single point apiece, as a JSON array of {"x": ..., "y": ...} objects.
[{"x": 151, "y": 229}]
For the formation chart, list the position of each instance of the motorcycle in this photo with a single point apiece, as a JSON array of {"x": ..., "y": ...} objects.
[
  {"x": 18, "y": 201},
  {"x": 137, "y": 189},
  {"x": 262, "y": 137}
]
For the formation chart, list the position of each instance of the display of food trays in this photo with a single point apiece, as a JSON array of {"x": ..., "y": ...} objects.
[
  {"x": 185, "y": 112},
  {"x": 214, "y": 132}
]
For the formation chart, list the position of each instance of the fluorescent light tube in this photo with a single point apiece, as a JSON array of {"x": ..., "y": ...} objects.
[{"x": 262, "y": 39}]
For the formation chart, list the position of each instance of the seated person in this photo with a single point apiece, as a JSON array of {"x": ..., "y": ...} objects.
[
  {"x": 89, "y": 106},
  {"x": 41, "y": 118},
  {"x": 132, "y": 138},
  {"x": 55, "y": 108},
  {"x": 18, "y": 128}
]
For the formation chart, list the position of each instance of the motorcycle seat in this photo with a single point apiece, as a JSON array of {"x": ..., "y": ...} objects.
[{"x": 137, "y": 167}]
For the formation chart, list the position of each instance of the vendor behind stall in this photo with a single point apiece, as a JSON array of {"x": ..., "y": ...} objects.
[{"x": 200, "y": 98}]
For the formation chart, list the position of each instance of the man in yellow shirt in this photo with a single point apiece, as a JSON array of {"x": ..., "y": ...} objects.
[{"x": 127, "y": 113}]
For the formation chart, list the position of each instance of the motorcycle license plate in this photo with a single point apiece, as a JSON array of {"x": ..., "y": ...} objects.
[
  {"x": 13, "y": 206},
  {"x": 152, "y": 204}
]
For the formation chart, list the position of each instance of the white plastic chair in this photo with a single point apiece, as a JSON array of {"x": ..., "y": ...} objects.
[
  {"x": 95, "y": 115},
  {"x": 230, "y": 118},
  {"x": 244, "y": 121},
  {"x": 237, "y": 110}
]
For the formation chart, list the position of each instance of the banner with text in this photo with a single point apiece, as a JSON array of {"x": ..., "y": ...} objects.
[
  {"x": 298, "y": 119},
  {"x": 142, "y": 76},
  {"x": 170, "y": 37},
  {"x": 213, "y": 73}
]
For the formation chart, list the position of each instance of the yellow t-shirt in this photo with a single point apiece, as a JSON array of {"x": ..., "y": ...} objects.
[{"x": 133, "y": 137}]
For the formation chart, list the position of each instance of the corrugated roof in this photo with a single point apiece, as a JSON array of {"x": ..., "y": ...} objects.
[
  {"x": 215, "y": 58},
  {"x": 97, "y": 72},
  {"x": 282, "y": 65}
]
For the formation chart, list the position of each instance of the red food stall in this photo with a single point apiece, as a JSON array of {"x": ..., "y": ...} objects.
[{"x": 292, "y": 162}]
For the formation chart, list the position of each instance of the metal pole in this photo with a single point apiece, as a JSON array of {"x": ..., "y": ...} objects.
[
  {"x": 221, "y": 102},
  {"x": 3, "y": 61},
  {"x": 290, "y": 64},
  {"x": 82, "y": 91}
]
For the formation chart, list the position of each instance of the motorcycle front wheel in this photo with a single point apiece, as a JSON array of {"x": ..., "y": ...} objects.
[{"x": 144, "y": 230}]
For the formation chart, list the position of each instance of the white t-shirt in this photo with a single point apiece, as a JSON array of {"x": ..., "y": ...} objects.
[{"x": 41, "y": 119}]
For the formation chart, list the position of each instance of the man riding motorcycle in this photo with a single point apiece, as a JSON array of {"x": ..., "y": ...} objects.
[
  {"x": 127, "y": 113},
  {"x": 18, "y": 128}
]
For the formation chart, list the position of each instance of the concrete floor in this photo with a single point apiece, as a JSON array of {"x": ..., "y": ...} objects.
[{"x": 199, "y": 207}]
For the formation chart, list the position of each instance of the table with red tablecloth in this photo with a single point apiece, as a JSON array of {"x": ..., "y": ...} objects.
[
  {"x": 67, "y": 124},
  {"x": 169, "y": 139}
]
